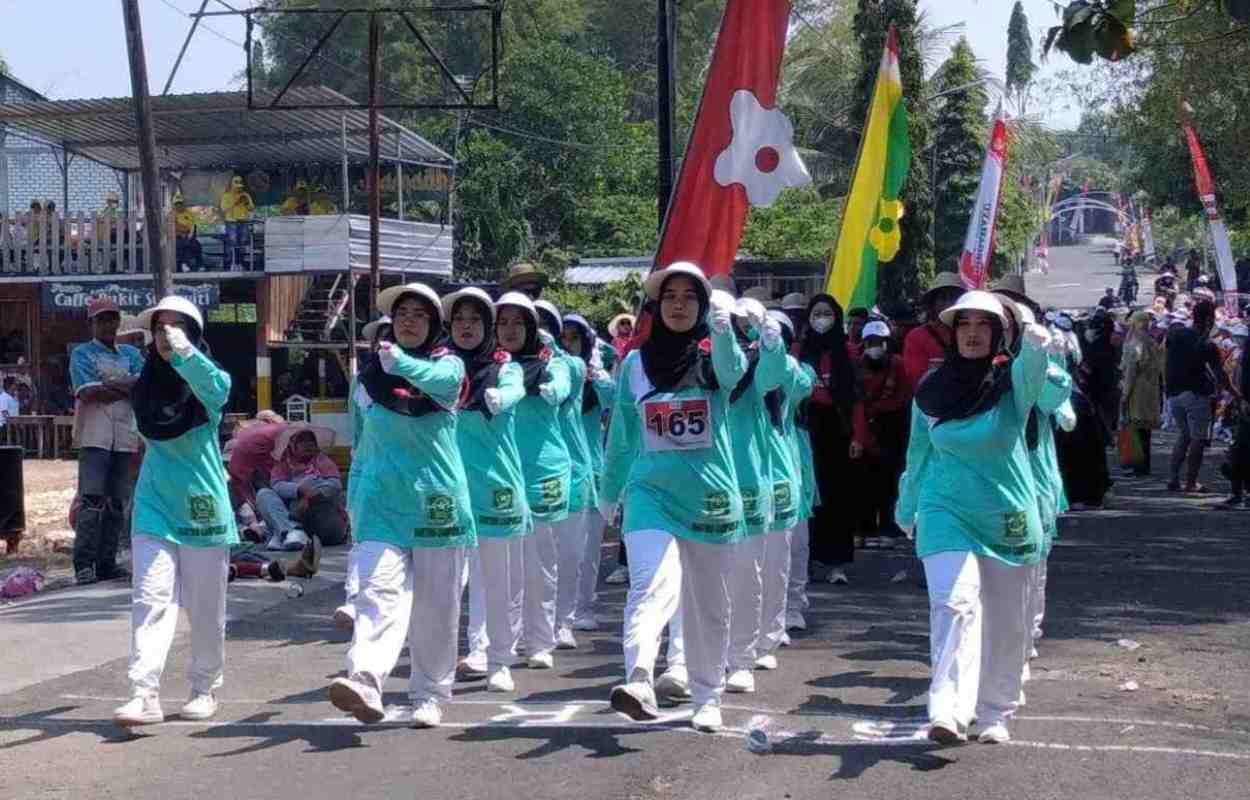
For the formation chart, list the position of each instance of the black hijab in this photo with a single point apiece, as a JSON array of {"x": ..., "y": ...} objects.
[
  {"x": 960, "y": 387},
  {"x": 165, "y": 407},
  {"x": 833, "y": 341},
  {"x": 482, "y": 363},
  {"x": 590, "y": 398},
  {"x": 673, "y": 360},
  {"x": 393, "y": 392},
  {"x": 534, "y": 356}
]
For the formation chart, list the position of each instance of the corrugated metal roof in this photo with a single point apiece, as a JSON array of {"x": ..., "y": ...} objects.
[
  {"x": 216, "y": 129},
  {"x": 598, "y": 276}
]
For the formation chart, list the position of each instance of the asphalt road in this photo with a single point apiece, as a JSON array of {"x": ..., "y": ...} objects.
[
  {"x": 845, "y": 711},
  {"x": 1080, "y": 274}
]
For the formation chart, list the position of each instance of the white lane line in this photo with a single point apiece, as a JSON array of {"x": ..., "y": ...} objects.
[
  {"x": 1062, "y": 285},
  {"x": 626, "y": 726}
]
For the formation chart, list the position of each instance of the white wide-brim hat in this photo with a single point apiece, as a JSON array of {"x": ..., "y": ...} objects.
[
  {"x": 876, "y": 328},
  {"x": 387, "y": 298},
  {"x": 469, "y": 293},
  {"x": 617, "y": 320},
  {"x": 370, "y": 330},
  {"x": 171, "y": 303},
  {"x": 656, "y": 279},
  {"x": 550, "y": 308},
  {"x": 976, "y": 300},
  {"x": 518, "y": 300}
]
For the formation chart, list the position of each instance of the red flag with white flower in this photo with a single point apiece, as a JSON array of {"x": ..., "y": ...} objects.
[
  {"x": 974, "y": 263},
  {"x": 741, "y": 151}
]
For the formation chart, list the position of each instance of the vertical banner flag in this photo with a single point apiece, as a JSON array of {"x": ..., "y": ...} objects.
[
  {"x": 870, "y": 233},
  {"x": 741, "y": 151},
  {"x": 1147, "y": 235},
  {"x": 974, "y": 262},
  {"x": 1206, "y": 192}
]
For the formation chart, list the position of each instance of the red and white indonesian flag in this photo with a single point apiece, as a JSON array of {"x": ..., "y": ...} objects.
[
  {"x": 974, "y": 264},
  {"x": 1206, "y": 192},
  {"x": 741, "y": 151}
]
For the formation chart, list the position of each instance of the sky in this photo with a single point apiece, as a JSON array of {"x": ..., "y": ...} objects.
[{"x": 77, "y": 48}]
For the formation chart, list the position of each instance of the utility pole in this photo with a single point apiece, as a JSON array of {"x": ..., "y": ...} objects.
[
  {"x": 666, "y": 67},
  {"x": 375, "y": 190},
  {"x": 161, "y": 272}
]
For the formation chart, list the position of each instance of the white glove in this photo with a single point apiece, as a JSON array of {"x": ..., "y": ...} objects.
[
  {"x": 754, "y": 311},
  {"x": 1066, "y": 418},
  {"x": 493, "y": 399},
  {"x": 600, "y": 375},
  {"x": 178, "y": 340},
  {"x": 388, "y": 355},
  {"x": 1037, "y": 336},
  {"x": 546, "y": 338},
  {"x": 596, "y": 358},
  {"x": 722, "y": 305},
  {"x": 548, "y": 393},
  {"x": 770, "y": 334}
]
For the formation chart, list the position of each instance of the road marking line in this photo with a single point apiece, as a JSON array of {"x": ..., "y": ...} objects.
[{"x": 1062, "y": 285}]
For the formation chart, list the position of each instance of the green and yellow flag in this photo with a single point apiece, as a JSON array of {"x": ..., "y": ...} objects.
[{"x": 870, "y": 232}]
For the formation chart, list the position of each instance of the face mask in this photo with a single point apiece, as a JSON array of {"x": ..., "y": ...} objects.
[
  {"x": 876, "y": 353},
  {"x": 822, "y": 324},
  {"x": 1090, "y": 336}
]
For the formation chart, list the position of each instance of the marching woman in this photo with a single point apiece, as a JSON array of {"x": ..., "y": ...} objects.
[
  {"x": 748, "y": 428},
  {"x": 545, "y": 464},
  {"x": 597, "y": 395},
  {"x": 793, "y": 384},
  {"x": 182, "y": 523},
  {"x": 413, "y": 518},
  {"x": 969, "y": 495},
  {"x": 571, "y": 532},
  {"x": 670, "y": 463},
  {"x": 358, "y": 403},
  {"x": 486, "y": 432},
  {"x": 800, "y": 541},
  {"x": 829, "y": 424}
]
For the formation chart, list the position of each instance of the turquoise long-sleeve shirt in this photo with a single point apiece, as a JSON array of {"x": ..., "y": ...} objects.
[
  {"x": 489, "y": 451},
  {"x": 748, "y": 431},
  {"x": 969, "y": 485},
  {"x": 358, "y": 402},
  {"x": 780, "y": 369},
  {"x": 181, "y": 494},
  {"x": 808, "y": 497},
  {"x": 670, "y": 454},
  {"x": 545, "y": 457},
  {"x": 413, "y": 491},
  {"x": 583, "y": 494},
  {"x": 592, "y": 422},
  {"x": 1044, "y": 459}
]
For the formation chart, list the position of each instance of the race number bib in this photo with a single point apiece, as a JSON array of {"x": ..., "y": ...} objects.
[{"x": 677, "y": 424}]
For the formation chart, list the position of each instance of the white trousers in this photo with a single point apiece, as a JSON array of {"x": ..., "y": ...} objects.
[
  {"x": 476, "y": 634},
  {"x": 665, "y": 570},
  {"x": 571, "y": 537},
  {"x": 977, "y": 637},
  {"x": 169, "y": 577},
  {"x": 775, "y": 575},
  {"x": 408, "y": 594},
  {"x": 588, "y": 570},
  {"x": 351, "y": 582},
  {"x": 501, "y": 578},
  {"x": 541, "y": 559},
  {"x": 800, "y": 552},
  {"x": 675, "y": 652},
  {"x": 746, "y": 598},
  {"x": 1037, "y": 599}
]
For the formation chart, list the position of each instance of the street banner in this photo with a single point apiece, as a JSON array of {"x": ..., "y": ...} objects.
[
  {"x": 974, "y": 262},
  {"x": 870, "y": 234},
  {"x": 1206, "y": 192},
  {"x": 741, "y": 151},
  {"x": 1147, "y": 235}
]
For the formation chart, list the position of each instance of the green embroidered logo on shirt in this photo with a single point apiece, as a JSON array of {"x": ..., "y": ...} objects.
[
  {"x": 750, "y": 502},
  {"x": 782, "y": 496},
  {"x": 1015, "y": 525},
  {"x": 552, "y": 490},
  {"x": 716, "y": 504},
  {"x": 503, "y": 499},
  {"x": 440, "y": 509},
  {"x": 203, "y": 507}
]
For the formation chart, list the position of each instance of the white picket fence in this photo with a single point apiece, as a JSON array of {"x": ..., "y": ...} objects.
[{"x": 77, "y": 244}]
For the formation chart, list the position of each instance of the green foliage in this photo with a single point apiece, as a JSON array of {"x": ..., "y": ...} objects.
[
  {"x": 960, "y": 133},
  {"x": 800, "y": 225},
  {"x": 1094, "y": 27},
  {"x": 600, "y": 304},
  {"x": 1020, "y": 66}
]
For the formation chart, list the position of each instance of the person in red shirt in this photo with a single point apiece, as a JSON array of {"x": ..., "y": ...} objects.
[
  {"x": 250, "y": 457},
  {"x": 856, "y": 319},
  {"x": 879, "y": 429},
  {"x": 925, "y": 347}
]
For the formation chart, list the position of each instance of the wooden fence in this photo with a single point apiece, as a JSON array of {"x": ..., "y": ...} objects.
[{"x": 77, "y": 244}]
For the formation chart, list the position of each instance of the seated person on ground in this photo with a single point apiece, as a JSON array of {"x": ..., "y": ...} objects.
[{"x": 304, "y": 496}]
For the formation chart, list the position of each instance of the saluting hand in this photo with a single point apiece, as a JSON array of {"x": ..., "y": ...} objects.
[
  {"x": 493, "y": 399},
  {"x": 388, "y": 356}
]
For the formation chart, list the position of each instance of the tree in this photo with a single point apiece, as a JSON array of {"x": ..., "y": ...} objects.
[
  {"x": 900, "y": 280},
  {"x": 1020, "y": 66},
  {"x": 1105, "y": 27},
  {"x": 800, "y": 225},
  {"x": 960, "y": 128}
]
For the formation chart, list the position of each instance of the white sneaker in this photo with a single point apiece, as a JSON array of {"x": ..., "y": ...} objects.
[
  {"x": 294, "y": 540},
  {"x": 994, "y": 734},
  {"x": 674, "y": 684},
  {"x": 618, "y": 576},
  {"x": 565, "y": 640},
  {"x": 635, "y": 700},
  {"x": 361, "y": 701},
  {"x": 275, "y": 541},
  {"x": 427, "y": 714},
  {"x": 585, "y": 624},
  {"x": 706, "y": 719},
  {"x": 202, "y": 705},
  {"x": 837, "y": 576},
  {"x": 767, "y": 661},
  {"x": 345, "y": 617},
  {"x": 946, "y": 733},
  {"x": 541, "y": 660},
  {"x": 1032, "y": 652},
  {"x": 472, "y": 667},
  {"x": 1026, "y": 674},
  {"x": 795, "y": 621},
  {"x": 141, "y": 709},
  {"x": 500, "y": 681},
  {"x": 740, "y": 681},
  {"x": 785, "y": 639}
]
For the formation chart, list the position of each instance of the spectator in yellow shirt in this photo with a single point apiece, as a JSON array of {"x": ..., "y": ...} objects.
[
  {"x": 321, "y": 202},
  {"x": 189, "y": 254},
  {"x": 236, "y": 208},
  {"x": 296, "y": 203}
]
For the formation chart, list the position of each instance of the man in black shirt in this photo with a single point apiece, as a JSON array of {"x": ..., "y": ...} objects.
[{"x": 1192, "y": 376}]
